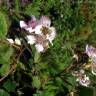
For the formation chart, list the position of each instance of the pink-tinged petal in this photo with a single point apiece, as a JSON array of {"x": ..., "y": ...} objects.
[
  {"x": 33, "y": 18},
  {"x": 33, "y": 22},
  {"x": 39, "y": 47},
  {"x": 23, "y": 24},
  {"x": 30, "y": 29},
  {"x": 45, "y": 21},
  {"x": 83, "y": 80},
  {"x": 91, "y": 51}
]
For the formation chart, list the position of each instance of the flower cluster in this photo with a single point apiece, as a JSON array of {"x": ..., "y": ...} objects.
[
  {"x": 40, "y": 33},
  {"x": 91, "y": 52},
  {"x": 82, "y": 79},
  {"x": 81, "y": 76}
]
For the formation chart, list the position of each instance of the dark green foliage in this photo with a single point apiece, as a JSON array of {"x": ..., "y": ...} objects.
[
  {"x": 49, "y": 73},
  {"x": 85, "y": 91},
  {"x": 3, "y": 93},
  {"x": 6, "y": 52},
  {"x": 10, "y": 86},
  {"x": 3, "y": 25},
  {"x": 33, "y": 8}
]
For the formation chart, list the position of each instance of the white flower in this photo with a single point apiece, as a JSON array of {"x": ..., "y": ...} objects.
[
  {"x": 23, "y": 24},
  {"x": 38, "y": 29},
  {"x": 41, "y": 31},
  {"x": 39, "y": 47},
  {"x": 31, "y": 39},
  {"x": 17, "y": 41},
  {"x": 91, "y": 52},
  {"x": 52, "y": 35},
  {"x": 10, "y": 41},
  {"x": 84, "y": 80}
]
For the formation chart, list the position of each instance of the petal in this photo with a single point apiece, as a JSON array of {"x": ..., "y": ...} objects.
[
  {"x": 93, "y": 58},
  {"x": 38, "y": 29},
  {"x": 17, "y": 41},
  {"x": 93, "y": 69},
  {"x": 39, "y": 47},
  {"x": 33, "y": 22},
  {"x": 31, "y": 39},
  {"x": 52, "y": 35},
  {"x": 10, "y": 41},
  {"x": 94, "y": 73},
  {"x": 23, "y": 24},
  {"x": 83, "y": 84},
  {"x": 33, "y": 18},
  {"x": 30, "y": 29},
  {"x": 90, "y": 50},
  {"x": 45, "y": 21},
  {"x": 85, "y": 81}
]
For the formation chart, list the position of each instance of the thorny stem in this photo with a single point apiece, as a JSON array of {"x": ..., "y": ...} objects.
[
  {"x": 5, "y": 76},
  {"x": 13, "y": 66},
  {"x": 6, "y": 42}
]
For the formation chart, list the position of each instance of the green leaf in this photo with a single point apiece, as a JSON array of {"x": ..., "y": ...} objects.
[
  {"x": 44, "y": 94},
  {"x": 4, "y": 69},
  {"x": 10, "y": 86},
  {"x": 72, "y": 81},
  {"x": 36, "y": 82},
  {"x": 6, "y": 52},
  {"x": 49, "y": 94},
  {"x": 3, "y": 25},
  {"x": 3, "y": 93},
  {"x": 37, "y": 57}
]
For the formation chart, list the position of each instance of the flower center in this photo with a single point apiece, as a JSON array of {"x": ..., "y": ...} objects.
[{"x": 45, "y": 30}]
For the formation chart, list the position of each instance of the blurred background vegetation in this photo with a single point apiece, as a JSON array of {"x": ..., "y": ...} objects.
[{"x": 49, "y": 73}]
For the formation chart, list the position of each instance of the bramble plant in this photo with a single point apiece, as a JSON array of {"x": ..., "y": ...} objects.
[{"x": 47, "y": 48}]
